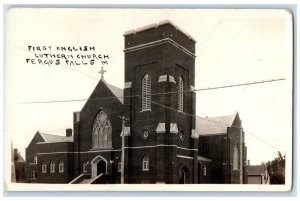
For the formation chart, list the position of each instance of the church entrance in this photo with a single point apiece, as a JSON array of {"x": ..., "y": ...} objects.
[
  {"x": 99, "y": 166},
  {"x": 182, "y": 174}
]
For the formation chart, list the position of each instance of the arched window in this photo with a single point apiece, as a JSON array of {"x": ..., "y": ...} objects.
[
  {"x": 236, "y": 157},
  {"x": 145, "y": 163},
  {"x": 204, "y": 169},
  {"x": 180, "y": 94},
  {"x": 102, "y": 131},
  {"x": 60, "y": 166},
  {"x": 44, "y": 167},
  {"x": 85, "y": 166},
  {"x": 52, "y": 167},
  {"x": 146, "y": 93}
]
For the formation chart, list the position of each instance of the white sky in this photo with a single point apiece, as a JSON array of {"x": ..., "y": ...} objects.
[{"x": 233, "y": 46}]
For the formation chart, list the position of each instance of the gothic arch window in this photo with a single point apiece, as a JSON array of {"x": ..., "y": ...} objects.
[
  {"x": 44, "y": 167},
  {"x": 180, "y": 94},
  {"x": 236, "y": 157},
  {"x": 61, "y": 166},
  {"x": 52, "y": 167},
  {"x": 146, "y": 92},
  {"x": 101, "y": 131},
  {"x": 145, "y": 163}
]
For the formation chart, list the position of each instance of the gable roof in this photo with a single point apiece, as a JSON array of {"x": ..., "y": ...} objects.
[
  {"x": 20, "y": 159},
  {"x": 256, "y": 169},
  {"x": 214, "y": 125},
  {"x": 49, "y": 138},
  {"x": 116, "y": 91}
]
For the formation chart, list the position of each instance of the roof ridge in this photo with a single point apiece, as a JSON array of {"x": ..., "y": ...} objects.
[{"x": 110, "y": 87}]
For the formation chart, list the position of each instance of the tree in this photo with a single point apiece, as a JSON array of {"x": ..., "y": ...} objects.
[{"x": 276, "y": 169}]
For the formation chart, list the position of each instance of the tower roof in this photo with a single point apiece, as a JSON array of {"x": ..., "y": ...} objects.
[{"x": 156, "y": 25}]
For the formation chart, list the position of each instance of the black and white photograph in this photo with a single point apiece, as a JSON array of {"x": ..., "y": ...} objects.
[{"x": 148, "y": 99}]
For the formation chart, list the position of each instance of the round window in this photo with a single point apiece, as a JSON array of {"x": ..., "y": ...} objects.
[
  {"x": 145, "y": 133},
  {"x": 181, "y": 135}
]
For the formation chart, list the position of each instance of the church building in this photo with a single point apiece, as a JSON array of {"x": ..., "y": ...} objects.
[{"x": 147, "y": 132}]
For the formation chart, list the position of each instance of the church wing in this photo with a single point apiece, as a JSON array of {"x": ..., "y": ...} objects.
[{"x": 100, "y": 126}]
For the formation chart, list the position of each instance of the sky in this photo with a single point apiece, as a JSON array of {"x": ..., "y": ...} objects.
[{"x": 233, "y": 46}]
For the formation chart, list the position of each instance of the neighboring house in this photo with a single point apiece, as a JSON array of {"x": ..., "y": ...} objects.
[
  {"x": 18, "y": 167},
  {"x": 162, "y": 143},
  {"x": 258, "y": 174}
]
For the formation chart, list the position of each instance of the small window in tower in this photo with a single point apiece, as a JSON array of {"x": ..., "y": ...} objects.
[
  {"x": 146, "y": 93},
  {"x": 204, "y": 169},
  {"x": 145, "y": 133},
  {"x": 180, "y": 94},
  {"x": 181, "y": 135},
  {"x": 145, "y": 163}
]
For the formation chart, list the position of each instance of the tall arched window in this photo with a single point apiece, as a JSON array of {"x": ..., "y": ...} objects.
[
  {"x": 101, "y": 131},
  {"x": 52, "y": 167},
  {"x": 60, "y": 166},
  {"x": 146, "y": 93},
  {"x": 236, "y": 157},
  {"x": 44, "y": 167},
  {"x": 145, "y": 163},
  {"x": 180, "y": 94}
]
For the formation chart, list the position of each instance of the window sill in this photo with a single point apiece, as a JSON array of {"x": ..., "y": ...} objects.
[
  {"x": 146, "y": 110},
  {"x": 98, "y": 149}
]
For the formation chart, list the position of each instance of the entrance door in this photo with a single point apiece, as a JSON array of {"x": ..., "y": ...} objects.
[
  {"x": 101, "y": 167},
  {"x": 182, "y": 175}
]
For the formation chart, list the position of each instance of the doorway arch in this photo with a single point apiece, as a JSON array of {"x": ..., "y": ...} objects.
[
  {"x": 99, "y": 166},
  {"x": 182, "y": 175}
]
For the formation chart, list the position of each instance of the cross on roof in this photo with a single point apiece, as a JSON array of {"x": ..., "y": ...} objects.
[{"x": 102, "y": 71}]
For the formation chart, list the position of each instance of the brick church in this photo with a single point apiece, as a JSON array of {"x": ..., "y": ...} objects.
[{"x": 163, "y": 139}]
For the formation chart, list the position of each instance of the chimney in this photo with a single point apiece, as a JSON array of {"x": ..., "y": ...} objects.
[
  {"x": 248, "y": 162},
  {"x": 68, "y": 132},
  {"x": 15, "y": 154}
]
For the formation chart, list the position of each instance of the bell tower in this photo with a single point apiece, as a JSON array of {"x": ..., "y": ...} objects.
[{"x": 160, "y": 106}]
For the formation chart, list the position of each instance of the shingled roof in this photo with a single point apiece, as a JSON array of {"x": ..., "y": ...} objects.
[
  {"x": 49, "y": 138},
  {"x": 214, "y": 125},
  {"x": 116, "y": 91},
  {"x": 19, "y": 159},
  {"x": 256, "y": 169}
]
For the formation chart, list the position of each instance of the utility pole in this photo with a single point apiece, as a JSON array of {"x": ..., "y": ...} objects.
[{"x": 123, "y": 118}]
